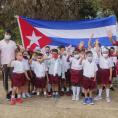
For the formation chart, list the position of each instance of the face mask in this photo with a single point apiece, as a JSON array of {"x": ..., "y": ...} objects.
[
  {"x": 25, "y": 57},
  {"x": 55, "y": 56},
  {"x": 105, "y": 55},
  {"x": 7, "y": 37},
  {"x": 76, "y": 56},
  {"x": 89, "y": 59}
]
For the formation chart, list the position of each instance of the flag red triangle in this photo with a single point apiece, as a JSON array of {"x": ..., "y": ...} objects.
[{"x": 27, "y": 30}]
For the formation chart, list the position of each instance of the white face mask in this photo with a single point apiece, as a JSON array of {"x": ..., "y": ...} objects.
[
  {"x": 76, "y": 56},
  {"x": 90, "y": 59},
  {"x": 105, "y": 55},
  {"x": 7, "y": 37}
]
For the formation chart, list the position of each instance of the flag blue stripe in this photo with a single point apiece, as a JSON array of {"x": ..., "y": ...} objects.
[
  {"x": 74, "y": 42},
  {"x": 70, "y": 25}
]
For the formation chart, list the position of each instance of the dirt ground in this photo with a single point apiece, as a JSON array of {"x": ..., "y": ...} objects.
[{"x": 39, "y": 107}]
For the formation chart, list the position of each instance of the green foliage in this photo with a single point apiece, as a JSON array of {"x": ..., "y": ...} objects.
[{"x": 52, "y": 10}]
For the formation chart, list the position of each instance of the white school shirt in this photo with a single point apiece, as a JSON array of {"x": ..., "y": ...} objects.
[
  {"x": 89, "y": 68},
  {"x": 65, "y": 63},
  {"x": 18, "y": 66},
  {"x": 105, "y": 63},
  {"x": 75, "y": 63},
  {"x": 55, "y": 67},
  {"x": 114, "y": 59},
  {"x": 26, "y": 64},
  {"x": 39, "y": 69},
  {"x": 7, "y": 51},
  {"x": 95, "y": 55}
]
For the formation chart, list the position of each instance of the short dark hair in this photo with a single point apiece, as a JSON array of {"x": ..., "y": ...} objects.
[
  {"x": 89, "y": 52},
  {"x": 55, "y": 50},
  {"x": 39, "y": 54},
  {"x": 47, "y": 47},
  {"x": 8, "y": 31},
  {"x": 61, "y": 46}
]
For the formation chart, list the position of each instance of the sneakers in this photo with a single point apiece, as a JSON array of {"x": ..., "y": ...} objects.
[
  {"x": 28, "y": 95},
  {"x": 108, "y": 99},
  {"x": 88, "y": 101},
  {"x": 73, "y": 98},
  {"x": 85, "y": 101},
  {"x": 19, "y": 100},
  {"x": 77, "y": 98},
  {"x": 38, "y": 93},
  {"x": 13, "y": 101},
  {"x": 98, "y": 98},
  {"x": 24, "y": 96},
  {"x": 91, "y": 101}
]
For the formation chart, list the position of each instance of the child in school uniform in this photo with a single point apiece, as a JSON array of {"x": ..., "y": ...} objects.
[
  {"x": 18, "y": 78},
  {"x": 47, "y": 56},
  {"x": 26, "y": 92},
  {"x": 76, "y": 74},
  {"x": 65, "y": 79},
  {"x": 106, "y": 65},
  {"x": 40, "y": 73},
  {"x": 113, "y": 57},
  {"x": 89, "y": 77},
  {"x": 55, "y": 72}
]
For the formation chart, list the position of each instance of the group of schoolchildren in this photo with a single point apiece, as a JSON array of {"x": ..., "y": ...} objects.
[{"x": 64, "y": 70}]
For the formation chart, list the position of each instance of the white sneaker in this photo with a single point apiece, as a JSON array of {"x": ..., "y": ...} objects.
[
  {"x": 108, "y": 99},
  {"x": 28, "y": 95},
  {"x": 73, "y": 97},
  {"x": 45, "y": 94},
  {"x": 38, "y": 93},
  {"x": 77, "y": 98},
  {"x": 98, "y": 98},
  {"x": 24, "y": 96}
]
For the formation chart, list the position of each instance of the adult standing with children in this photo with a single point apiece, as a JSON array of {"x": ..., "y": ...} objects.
[{"x": 7, "y": 54}]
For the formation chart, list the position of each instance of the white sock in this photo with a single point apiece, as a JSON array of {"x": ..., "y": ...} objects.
[
  {"x": 19, "y": 95},
  {"x": 78, "y": 91},
  {"x": 62, "y": 89},
  {"x": 100, "y": 93},
  {"x": 74, "y": 90},
  {"x": 13, "y": 96},
  {"x": 49, "y": 87},
  {"x": 107, "y": 92},
  {"x": 56, "y": 93},
  {"x": 44, "y": 92},
  {"x": 67, "y": 89}
]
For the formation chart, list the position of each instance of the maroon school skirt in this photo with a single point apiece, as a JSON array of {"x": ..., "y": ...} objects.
[
  {"x": 105, "y": 74},
  {"x": 18, "y": 79},
  {"x": 54, "y": 79},
  {"x": 40, "y": 82},
  {"x": 88, "y": 83},
  {"x": 76, "y": 77}
]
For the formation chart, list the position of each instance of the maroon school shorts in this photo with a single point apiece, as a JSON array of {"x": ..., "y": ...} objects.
[
  {"x": 40, "y": 82},
  {"x": 18, "y": 79},
  {"x": 76, "y": 77},
  {"x": 54, "y": 79},
  {"x": 105, "y": 74},
  {"x": 88, "y": 83}
]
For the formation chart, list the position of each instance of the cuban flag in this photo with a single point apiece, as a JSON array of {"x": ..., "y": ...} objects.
[{"x": 39, "y": 33}]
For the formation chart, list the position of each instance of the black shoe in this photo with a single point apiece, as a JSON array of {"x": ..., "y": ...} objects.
[
  {"x": 112, "y": 88},
  {"x": 8, "y": 97}
]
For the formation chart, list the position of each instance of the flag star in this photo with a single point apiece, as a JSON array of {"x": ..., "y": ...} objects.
[{"x": 33, "y": 39}]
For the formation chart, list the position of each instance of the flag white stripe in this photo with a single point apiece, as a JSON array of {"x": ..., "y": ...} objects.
[{"x": 75, "y": 34}]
